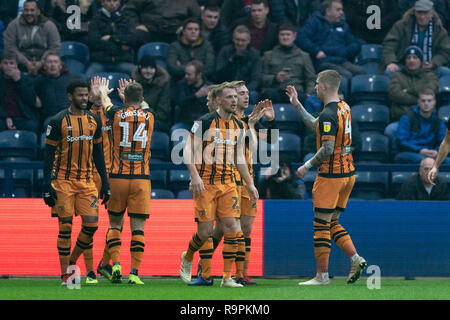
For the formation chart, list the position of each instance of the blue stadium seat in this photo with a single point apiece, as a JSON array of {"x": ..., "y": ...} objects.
[
  {"x": 444, "y": 112},
  {"x": 390, "y": 132},
  {"x": 310, "y": 176},
  {"x": 370, "y": 67},
  {"x": 371, "y": 117},
  {"x": 287, "y": 118},
  {"x": 162, "y": 194},
  {"x": 369, "y": 89},
  {"x": 18, "y": 143},
  {"x": 158, "y": 50},
  {"x": 369, "y": 53},
  {"x": 184, "y": 194},
  {"x": 289, "y": 146},
  {"x": 160, "y": 145},
  {"x": 397, "y": 180},
  {"x": 444, "y": 90},
  {"x": 76, "y": 51},
  {"x": 159, "y": 179},
  {"x": 375, "y": 147},
  {"x": 22, "y": 179},
  {"x": 370, "y": 185},
  {"x": 343, "y": 87},
  {"x": 179, "y": 180},
  {"x": 75, "y": 67},
  {"x": 179, "y": 132}
]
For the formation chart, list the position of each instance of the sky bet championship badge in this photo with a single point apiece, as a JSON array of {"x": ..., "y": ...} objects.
[{"x": 326, "y": 126}]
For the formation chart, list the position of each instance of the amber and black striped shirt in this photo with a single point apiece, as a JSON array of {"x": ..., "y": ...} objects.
[
  {"x": 73, "y": 136},
  {"x": 132, "y": 131},
  {"x": 335, "y": 124},
  {"x": 217, "y": 156},
  {"x": 106, "y": 134}
]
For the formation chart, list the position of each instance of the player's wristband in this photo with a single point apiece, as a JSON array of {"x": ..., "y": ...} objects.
[{"x": 308, "y": 165}]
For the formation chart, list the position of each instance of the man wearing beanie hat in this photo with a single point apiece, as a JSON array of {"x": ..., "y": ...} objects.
[
  {"x": 405, "y": 84},
  {"x": 421, "y": 27},
  {"x": 155, "y": 82}
]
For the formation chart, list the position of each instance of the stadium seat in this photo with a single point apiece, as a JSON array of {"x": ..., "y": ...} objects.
[
  {"x": 310, "y": 176},
  {"x": 289, "y": 146},
  {"x": 184, "y": 194},
  {"x": 375, "y": 147},
  {"x": 444, "y": 90},
  {"x": 158, "y": 50},
  {"x": 179, "y": 133},
  {"x": 22, "y": 184},
  {"x": 444, "y": 112},
  {"x": 18, "y": 143},
  {"x": 343, "y": 87},
  {"x": 75, "y": 67},
  {"x": 370, "y": 185},
  {"x": 369, "y": 53},
  {"x": 162, "y": 194},
  {"x": 76, "y": 51},
  {"x": 371, "y": 117},
  {"x": 397, "y": 180},
  {"x": 179, "y": 180},
  {"x": 160, "y": 145},
  {"x": 370, "y": 67},
  {"x": 390, "y": 132},
  {"x": 159, "y": 179},
  {"x": 366, "y": 89},
  {"x": 287, "y": 118}
]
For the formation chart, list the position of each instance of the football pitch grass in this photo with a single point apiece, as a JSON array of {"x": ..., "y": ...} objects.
[{"x": 267, "y": 289}]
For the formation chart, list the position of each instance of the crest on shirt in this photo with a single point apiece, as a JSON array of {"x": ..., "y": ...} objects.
[
  {"x": 326, "y": 126},
  {"x": 195, "y": 127},
  {"x": 49, "y": 129}
]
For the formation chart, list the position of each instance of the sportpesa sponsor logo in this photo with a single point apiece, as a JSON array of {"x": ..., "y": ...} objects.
[
  {"x": 83, "y": 137},
  {"x": 133, "y": 113}
]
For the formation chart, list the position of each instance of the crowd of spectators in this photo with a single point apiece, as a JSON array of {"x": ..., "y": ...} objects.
[{"x": 267, "y": 43}]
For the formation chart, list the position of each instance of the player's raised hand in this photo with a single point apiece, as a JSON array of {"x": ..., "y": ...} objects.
[
  {"x": 104, "y": 86},
  {"x": 256, "y": 114},
  {"x": 269, "y": 113},
  {"x": 432, "y": 175},
  {"x": 292, "y": 94},
  {"x": 196, "y": 186}
]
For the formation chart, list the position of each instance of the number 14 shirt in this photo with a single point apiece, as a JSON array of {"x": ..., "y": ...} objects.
[{"x": 132, "y": 135}]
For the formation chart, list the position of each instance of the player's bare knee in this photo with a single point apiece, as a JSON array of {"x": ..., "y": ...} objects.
[
  {"x": 229, "y": 225},
  {"x": 115, "y": 220},
  {"x": 205, "y": 230},
  {"x": 246, "y": 225},
  {"x": 335, "y": 215},
  {"x": 137, "y": 224},
  {"x": 323, "y": 216}
]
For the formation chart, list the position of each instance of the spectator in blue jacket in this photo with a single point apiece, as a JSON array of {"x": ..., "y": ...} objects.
[
  {"x": 420, "y": 133},
  {"x": 327, "y": 38}
]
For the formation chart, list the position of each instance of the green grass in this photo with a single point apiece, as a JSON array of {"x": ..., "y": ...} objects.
[{"x": 267, "y": 289}]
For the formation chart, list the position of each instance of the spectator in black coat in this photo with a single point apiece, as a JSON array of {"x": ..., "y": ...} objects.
[
  {"x": 17, "y": 97},
  {"x": 111, "y": 38},
  {"x": 295, "y": 12},
  {"x": 418, "y": 187},
  {"x": 212, "y": 28},
  {"x": 60, "y": 16},
  {"x": 191, "y": 92},
  {"x": 240, "y": 61},
  {"x": 264, "y": 33},
  {"x": 50, "y": 87},
  {"x": 232, "y": 10},
  {"x": 283, "y": 185}
]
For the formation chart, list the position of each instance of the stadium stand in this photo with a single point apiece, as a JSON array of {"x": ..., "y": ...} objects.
[
  {"x": 444, "y": 112},
  {"x": 367, "y": 89},
  {"x": 371, "y": 117},
  {"x": 375, "y": 147},
  {"x": 370, "y": 185},
  {"x": 154, "y": 49},
  {"x": 160, "y": 146},
  {"x": 444, "y": 90},
  {"x": 287, "y": 118},
  {"x": 159, "y": 179},
  {"x": 162, "y": 194},
  {"x": 75, "y": 56},
  {"x": 18, "y": 143},
  {"x": 178, "y": 180}
]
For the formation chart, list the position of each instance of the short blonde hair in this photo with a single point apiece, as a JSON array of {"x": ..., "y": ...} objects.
[
  {"x": 210, "y": 99},
  {"x": 330, "y": 77}
]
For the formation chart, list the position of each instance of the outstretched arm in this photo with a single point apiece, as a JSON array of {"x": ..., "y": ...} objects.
[
  {"x": 307, "y": 118},
  {"x": 325, "y": 151},
  {"x": 444, "y": 149}
]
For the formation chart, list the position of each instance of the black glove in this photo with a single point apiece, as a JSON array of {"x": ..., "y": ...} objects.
[
  {"x": 49, "y": 195},
  {"x": 105, "y": 193}
]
